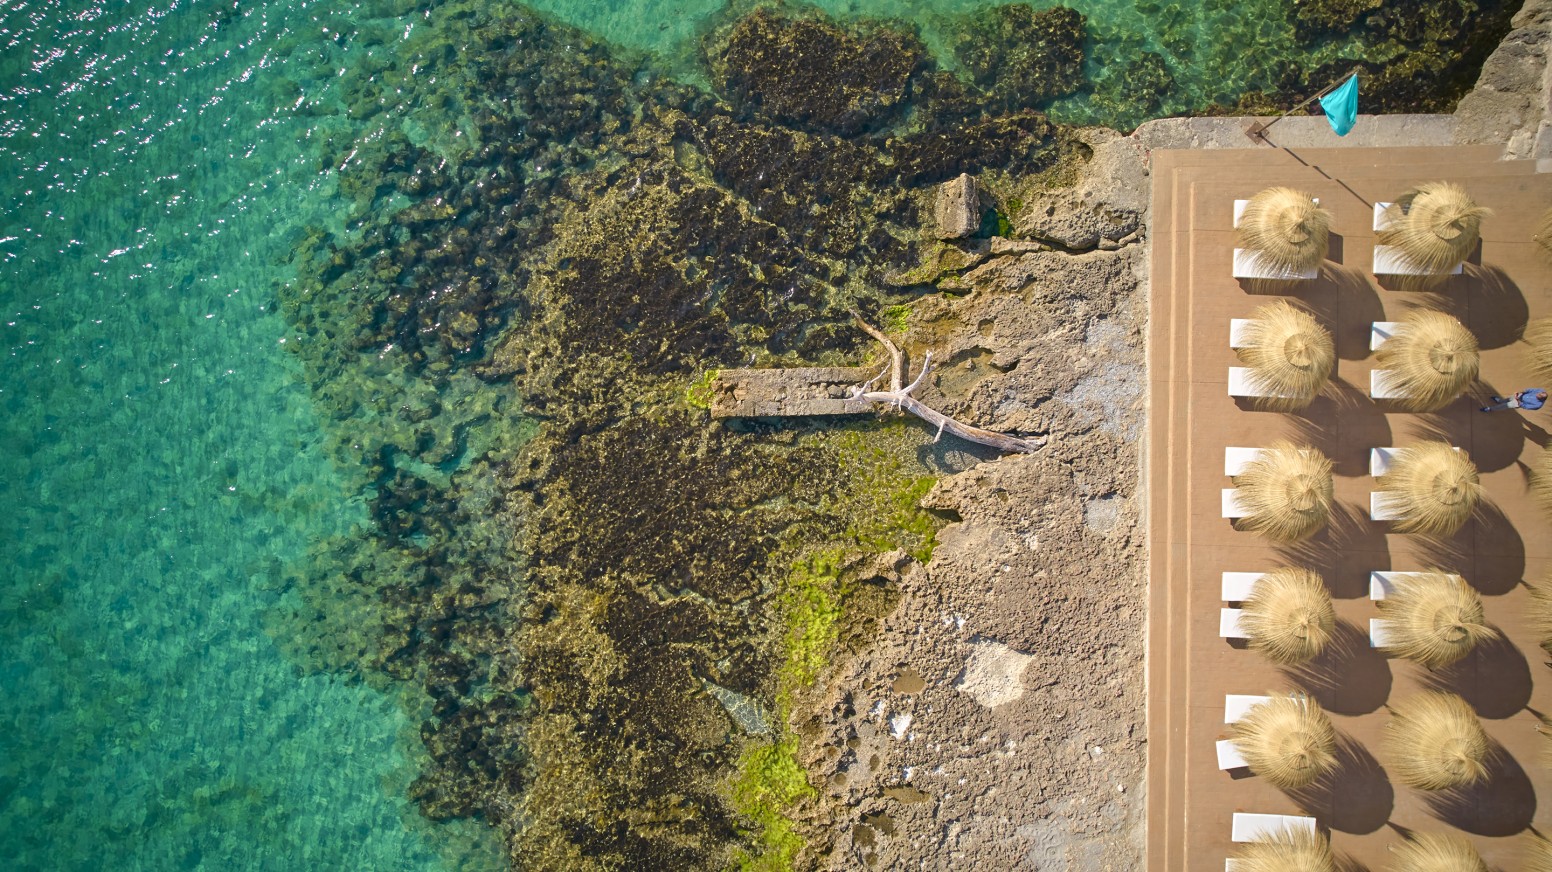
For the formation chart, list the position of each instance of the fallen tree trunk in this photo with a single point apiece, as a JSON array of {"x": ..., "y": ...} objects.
[{"x": 899, "y": 396}]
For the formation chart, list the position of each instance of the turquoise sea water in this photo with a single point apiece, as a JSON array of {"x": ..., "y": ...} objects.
[{"x": 161, "y": 461}]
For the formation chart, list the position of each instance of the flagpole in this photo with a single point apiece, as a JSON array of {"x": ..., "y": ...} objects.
[{"x": 1257, "y": 131}]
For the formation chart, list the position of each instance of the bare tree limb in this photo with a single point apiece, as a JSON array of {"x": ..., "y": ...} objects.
[
  {"x": 896, "y": 356},
  {"x": 900, "y": 397}
]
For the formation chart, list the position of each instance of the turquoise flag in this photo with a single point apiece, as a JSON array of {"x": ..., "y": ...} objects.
[{"x": 1341, "y": 106}]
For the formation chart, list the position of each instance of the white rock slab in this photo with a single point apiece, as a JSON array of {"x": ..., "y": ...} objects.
[{"x": 993, "y": 673}]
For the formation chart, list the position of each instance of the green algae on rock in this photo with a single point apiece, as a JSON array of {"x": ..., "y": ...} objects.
[{"x": 770, "y": 780}]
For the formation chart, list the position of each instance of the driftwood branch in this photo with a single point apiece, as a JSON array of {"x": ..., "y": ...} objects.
[{"x": 899, "y": 396}]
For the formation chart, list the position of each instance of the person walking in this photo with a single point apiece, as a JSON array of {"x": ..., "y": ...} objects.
[{"x": 1529, "y": 399}]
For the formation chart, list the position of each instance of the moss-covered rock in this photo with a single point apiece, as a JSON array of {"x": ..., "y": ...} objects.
[{"x": 810, "y": 72}]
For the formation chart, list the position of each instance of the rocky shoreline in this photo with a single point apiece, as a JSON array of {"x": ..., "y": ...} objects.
[
  {"x": 640, "y": 638},
  {"x": 997, "y": 720}
]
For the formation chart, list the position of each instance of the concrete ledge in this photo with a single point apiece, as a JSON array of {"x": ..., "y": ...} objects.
[
  {"x": 1300, "y": 131},
  {"x": 777, "y": 393}
]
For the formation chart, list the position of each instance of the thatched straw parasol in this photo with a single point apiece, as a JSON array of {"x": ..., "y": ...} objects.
[
  {"x": 1436, "y": 225},
  {"x": 1436, "y": 852},
  {"x": 1541, "y": 481},
  {"x": 1287, "y": 740},
  {"x": 1436, "y": 742},
  {"x": 1539, "y": 614},
  {"x": 1435, "y": 619},
  {"x": 1289, "y": 354},
  {"x": 1287, "y": 851},
  {"x": 1288, "y": 615},
  {"x": 1538, "y": 853},
  {"x": 1434, "y": 487},
  {"x": 1538, "y": 351},
  {"x": 1432, "y": 359},
  {"x": 1286, "y": 229},
  {"x": 1543, "y": 235},
  {"x": 1286, "y": 492}
]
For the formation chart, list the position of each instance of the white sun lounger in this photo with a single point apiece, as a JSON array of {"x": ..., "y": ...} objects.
[
  {"x": 1237, "y": 585},
  {"x": 1237, "y": 329},
  {"x": 1382, "y": 386},
  {"x": 1246, "y": 265},
  {"x": 1381, "y": 220},
  {"x": 1231, "y": 504},
  {"x": 1382, "y": 584},
  {"x": 1380, "y": 331},
  {"x": 1380, "y": 459},
  {"x": 1236, "y": 459},
  {"x": 1242, "y": 385},
  {"x": 1388, "y": 260},
  {"x": 1228, "y": 624},
  {"x": 1382, "y": 507},
  {"x": 1250, "y": 827},
  {"x": 1229, "y": 756},
  {"x": 1379, "y": 632},
  {"x": 1237, "y": 705}
]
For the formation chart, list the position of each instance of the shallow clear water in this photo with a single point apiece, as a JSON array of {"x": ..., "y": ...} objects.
[
  {"x": 161, "y": 460},
  {"x": 1218, "y": 49}
]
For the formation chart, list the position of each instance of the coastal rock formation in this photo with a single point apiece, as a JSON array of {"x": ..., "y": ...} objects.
[
  {"x": 1512, "y": 102},
  {"x": 608, "y": 607},
  {"x": 1046, "y": 559},
  {"x": 958, "y": 208},
  {"x": 1107, "y": 203},
  {"x": 994, "y": 673}
]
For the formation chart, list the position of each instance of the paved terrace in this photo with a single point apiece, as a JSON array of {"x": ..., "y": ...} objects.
[{"x": 1193, "y": 419}]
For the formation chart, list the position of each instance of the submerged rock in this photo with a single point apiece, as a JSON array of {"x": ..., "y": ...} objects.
[
  {"x": 810, "y": 72},
  {"x": 746, "y": 712},
  {"x": 1021, "y": 57}
]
